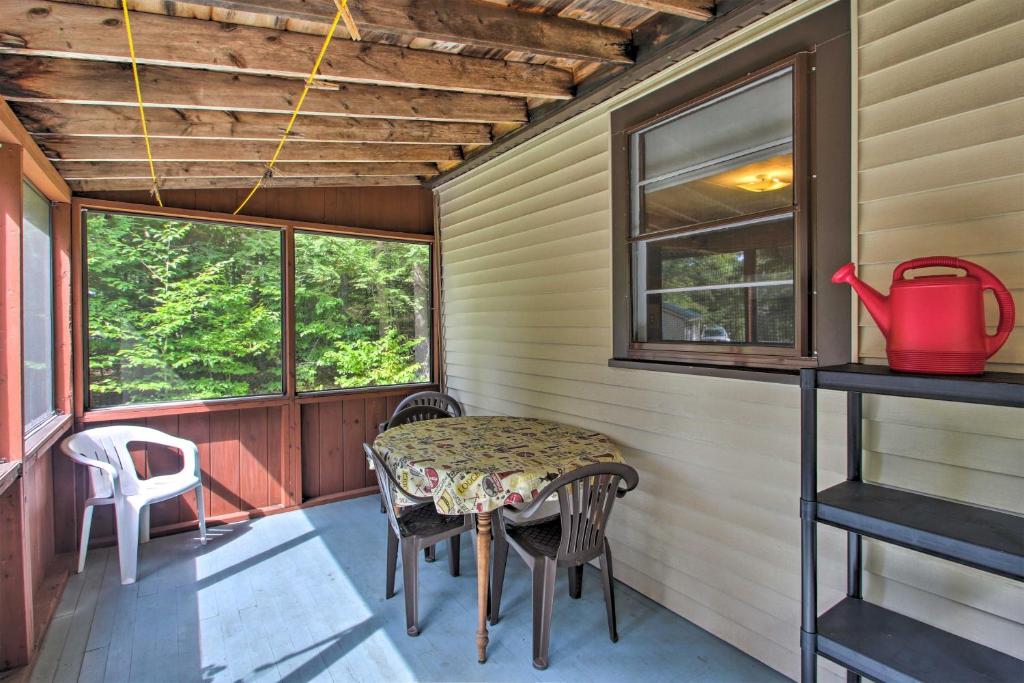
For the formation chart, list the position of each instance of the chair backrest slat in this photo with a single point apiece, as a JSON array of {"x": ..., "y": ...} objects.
[
  {"x": 435, "y": 399},
  {"x": 585, "y": 500},
  {"x": 412, "y": 414}
]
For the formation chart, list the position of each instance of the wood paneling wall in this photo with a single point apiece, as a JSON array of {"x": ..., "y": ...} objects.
[
  {"x": 333, "y": 433},
  {"x": 240, "y": 454},
  {"x": 408, "y": 209},
  {"x": 941, "y": 172}
]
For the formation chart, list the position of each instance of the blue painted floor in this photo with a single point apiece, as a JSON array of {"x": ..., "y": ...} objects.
[{"x": 300, "y": 597}]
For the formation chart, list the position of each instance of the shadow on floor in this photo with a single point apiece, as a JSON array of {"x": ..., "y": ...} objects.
[{"x": 300, "y": 597}]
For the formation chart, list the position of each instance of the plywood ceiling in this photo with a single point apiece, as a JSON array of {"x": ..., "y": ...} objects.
[{"x": 428, "y": 83}]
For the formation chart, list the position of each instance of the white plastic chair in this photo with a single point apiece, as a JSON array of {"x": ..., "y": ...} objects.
[{"x": 114, "y": 481}]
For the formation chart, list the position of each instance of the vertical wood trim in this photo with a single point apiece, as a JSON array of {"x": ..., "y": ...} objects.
[
  {"x": 78, "y": 322},
  {"x": 161, "y": 460},
  {"x": 352, "y": 433},
  {"x": 310, "y": 455},
  {"x": 17, "y": 614},
  {"x": 332, "y": 452},
  {"x": 252, "y": 466},
  {"x": 63, "y": 380},
  {"x": 436, "y": 296},
  {"x": 224, "y": 461},
  {"x": 12, "y": 437},
  {"x": 196, "y": 428},
  {"x": 277, "y": 455}
]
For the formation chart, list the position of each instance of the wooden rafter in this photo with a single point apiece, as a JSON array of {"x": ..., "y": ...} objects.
[
  {"x": 469, "y": 22},
  {"x": 41, "y": 79},
  {"x": 72, "y": 119},
  {"x": 54, "y": 29},
  {"x": 702, "y": 10},
  {"x": 132, "y": 149},
  {"x": 92, "y": 185},
  {"x": 79, "y": 170}
]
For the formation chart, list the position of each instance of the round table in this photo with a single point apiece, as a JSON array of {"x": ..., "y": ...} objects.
[{"x": 475, "y": 465}]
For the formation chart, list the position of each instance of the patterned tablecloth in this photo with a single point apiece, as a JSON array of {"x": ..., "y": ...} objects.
[{"x": 479, "y": 464}]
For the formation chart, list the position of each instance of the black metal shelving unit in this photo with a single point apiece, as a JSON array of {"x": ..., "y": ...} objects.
[{"x": 866, "y": 639}]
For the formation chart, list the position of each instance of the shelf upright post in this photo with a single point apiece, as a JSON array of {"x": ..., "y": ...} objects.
[
  {"x": 808, "y": 525},
  {"x": 854, "y": 460}
]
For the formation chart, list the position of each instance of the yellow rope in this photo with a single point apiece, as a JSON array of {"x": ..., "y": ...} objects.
[
  {"x": 138, "y": 96},
  {"x": 305, "y": 90}
]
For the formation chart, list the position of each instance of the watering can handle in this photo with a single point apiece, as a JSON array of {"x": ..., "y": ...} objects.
[{"x": 1007, "y": 311}]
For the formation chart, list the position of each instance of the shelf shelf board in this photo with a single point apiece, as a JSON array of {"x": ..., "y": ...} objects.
[
  {"x": 971, "y": 535},
  {"x": 885, "y": 646},
  {"x": 993, "y": 388}
]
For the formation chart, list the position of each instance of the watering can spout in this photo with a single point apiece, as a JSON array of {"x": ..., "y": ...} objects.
[{"x": 876, "y": 302}]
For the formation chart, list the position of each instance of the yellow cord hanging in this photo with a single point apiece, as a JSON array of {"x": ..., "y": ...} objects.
[
  {"x": 302, "y": 98},
  {"x": 138, "y": 96}
]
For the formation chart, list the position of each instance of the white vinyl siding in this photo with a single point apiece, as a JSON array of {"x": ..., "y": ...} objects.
[{"x": 712, "y": 532}]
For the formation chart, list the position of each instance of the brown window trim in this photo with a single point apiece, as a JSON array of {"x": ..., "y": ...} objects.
[{"x": 823, "y": 211}]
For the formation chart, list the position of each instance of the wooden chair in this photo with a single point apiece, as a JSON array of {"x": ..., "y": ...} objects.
[
  {"x": 434, "y": 399},
  {"x": 413, "y": 529},
  {"x": 573, "y": 538}
]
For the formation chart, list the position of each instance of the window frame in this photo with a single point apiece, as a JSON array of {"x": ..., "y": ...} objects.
[
  {"x": 732, "y": 354},
  {"x": 288, "y": 228},
  {"x": 432, "y": 368},
  {"x": 33, "y": 428},
  {"x": 819, "y": 47}
]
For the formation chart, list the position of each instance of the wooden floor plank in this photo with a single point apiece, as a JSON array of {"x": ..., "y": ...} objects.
[{"x": 300, "y": 597}]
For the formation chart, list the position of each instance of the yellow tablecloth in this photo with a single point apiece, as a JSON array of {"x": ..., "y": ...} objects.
[{"x": 479, "y": 464}]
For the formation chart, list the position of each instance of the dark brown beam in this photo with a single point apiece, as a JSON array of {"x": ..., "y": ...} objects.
[
  {"x": 469, "y": 22},
  {"x": 80, "y": 170},
  {"x": 133, "y": 149},
  {"x": 109, "y": 184},
  {"x": 702, "y": 10},
  {"x": 42, "y": 79},
  {"x": 55, "y": 29},
  {"x": 74, "y": 119}
]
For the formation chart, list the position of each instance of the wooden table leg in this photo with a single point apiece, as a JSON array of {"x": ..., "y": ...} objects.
[{"x": 483, "y": 574}]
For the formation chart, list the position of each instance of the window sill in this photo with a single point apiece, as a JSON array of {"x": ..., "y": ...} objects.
[
  {"x": 46, "y": 434},
  {"x": 744, "y": 373}
]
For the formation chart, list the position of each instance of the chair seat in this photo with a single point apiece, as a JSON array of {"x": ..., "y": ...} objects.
[
  {"x": 425, "y": 520},
  {"x": 540, "y": 539},
  {"x": 160, "y": 488}
]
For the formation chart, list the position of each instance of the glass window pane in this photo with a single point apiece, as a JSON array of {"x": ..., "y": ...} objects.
[
  {"x": 362, "y": 312},
  {"x": 728, "y": 158},
  {"x": 37, "y": 316},
  {"x": 729, "y": 286},
  {"x": 181, "y": 310}
]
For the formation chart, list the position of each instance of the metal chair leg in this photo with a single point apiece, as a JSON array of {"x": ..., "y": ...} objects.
[
  {"x": 543, "y": 601},
  {"x": 409, "y": 575},
  {"x": 392, "y": 563},
  {"x": 454, "y": 547},
  {"x": 576, "y": 582},
  {"x": 609, "y": 591}
]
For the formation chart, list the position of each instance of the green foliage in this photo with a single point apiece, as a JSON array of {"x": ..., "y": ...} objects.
[{"x": 190, "y": 310}]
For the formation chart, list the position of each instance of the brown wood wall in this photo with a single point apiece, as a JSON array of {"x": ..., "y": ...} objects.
[
  {"x": 333, "y": 433},
  {"x": 408, "y": 209}
]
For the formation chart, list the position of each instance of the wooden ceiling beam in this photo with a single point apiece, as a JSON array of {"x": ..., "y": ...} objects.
[
  {"x": 43, "y": 79},
  {"x": 94, "y": 170},
  {"x": 133, "y": 149},
  {"x": 114, "y": 184},
  {"x": 55, "y": 29},
  {"x": 469, "y": 22},
  {"x": 701, "y": 10},
  {"x": 74, "y": 119}
]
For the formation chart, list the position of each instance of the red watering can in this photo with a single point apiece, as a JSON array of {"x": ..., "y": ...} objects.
[{"x": 935, "y": 324}]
